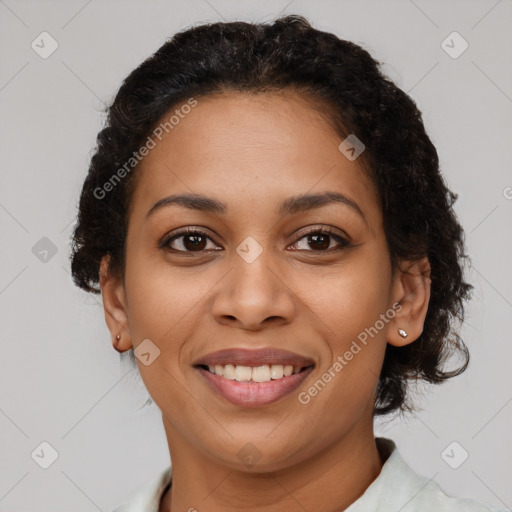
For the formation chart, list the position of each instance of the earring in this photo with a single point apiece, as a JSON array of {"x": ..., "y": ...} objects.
[
  {"x": 402, "y": 333},
  {"x": 116, "y": 346}
]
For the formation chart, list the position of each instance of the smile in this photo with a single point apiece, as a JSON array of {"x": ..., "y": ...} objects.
[
  {"x": 253, "y": 386},
  {"x": 263, "y": 373}
]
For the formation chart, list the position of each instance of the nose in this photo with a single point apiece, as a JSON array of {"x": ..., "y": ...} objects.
[{"x": 253, "y": 296}]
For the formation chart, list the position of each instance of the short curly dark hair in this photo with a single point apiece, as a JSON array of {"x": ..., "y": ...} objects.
[{"x": 358, "y": 98}]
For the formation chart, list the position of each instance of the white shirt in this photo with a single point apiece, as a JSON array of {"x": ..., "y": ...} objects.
[{"x": 397, "y": 488}]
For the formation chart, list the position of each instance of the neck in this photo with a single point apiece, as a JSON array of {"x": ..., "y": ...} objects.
[{"x": 329, "y": 481}]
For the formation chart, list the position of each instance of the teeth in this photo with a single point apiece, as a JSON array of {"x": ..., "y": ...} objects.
[
  {"x": 276, "y": 371},
  {"x": 229, "y": 372},
  {"x": 263, "y": 373},
  {"x": 241, "y": 373}
]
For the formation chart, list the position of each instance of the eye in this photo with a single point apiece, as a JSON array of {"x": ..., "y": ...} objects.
[
  {"x": 193, "y": 240},
  {"x": 318, "y": 239},
  {"x": 188, "y": 240}
]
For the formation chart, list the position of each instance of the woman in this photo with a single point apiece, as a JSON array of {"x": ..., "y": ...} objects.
[{"x": 265, "y": 218}]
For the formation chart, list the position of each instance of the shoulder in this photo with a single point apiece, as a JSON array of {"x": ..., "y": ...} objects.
[
  {"x": 148, "y": 497},
  {"x": 435, "y": 498},
  {"x": 399, "y": 487}
]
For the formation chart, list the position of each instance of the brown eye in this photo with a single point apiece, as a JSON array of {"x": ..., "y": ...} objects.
[
  {"x": 320, "y": 240},
  {"x": 187, "y": 241},
  {"x": 194, "y": 242}
]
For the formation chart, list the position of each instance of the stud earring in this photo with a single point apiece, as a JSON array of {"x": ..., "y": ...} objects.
[
  {"x": 402, "y": 333},
  {"x": 116, "y": 345}
]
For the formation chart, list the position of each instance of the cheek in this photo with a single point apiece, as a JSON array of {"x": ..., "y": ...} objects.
[
  {"x": 161, "y": 299},
  {"x": 354, "y": 296},
  {"x": 354, "y": 313},
  {"x": 161, "y": 306}
]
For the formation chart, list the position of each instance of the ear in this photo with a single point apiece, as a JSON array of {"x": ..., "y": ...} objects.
[
  {"x": 411, "y": 289},
  {"x": 114, "y": 305}
]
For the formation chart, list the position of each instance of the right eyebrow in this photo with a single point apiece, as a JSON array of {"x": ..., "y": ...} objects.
[{"x": 190, "y": 201}]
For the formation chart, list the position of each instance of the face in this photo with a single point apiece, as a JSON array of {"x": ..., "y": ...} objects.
[{"x": 266, "y": 280}]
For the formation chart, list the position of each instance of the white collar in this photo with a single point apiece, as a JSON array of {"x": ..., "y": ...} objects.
[{"x": 397, "y": 488}]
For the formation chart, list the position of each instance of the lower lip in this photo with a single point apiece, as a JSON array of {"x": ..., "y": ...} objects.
[{"x": 254, "y": 394}]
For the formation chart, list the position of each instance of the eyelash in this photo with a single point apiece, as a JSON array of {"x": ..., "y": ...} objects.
[{"x": 343, "y": 242}]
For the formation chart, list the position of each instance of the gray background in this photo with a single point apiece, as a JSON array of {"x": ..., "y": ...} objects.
[{"x": 62, "y": 382}]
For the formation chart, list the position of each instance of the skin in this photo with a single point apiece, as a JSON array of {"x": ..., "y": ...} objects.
[{"x": 251, "y": 153}]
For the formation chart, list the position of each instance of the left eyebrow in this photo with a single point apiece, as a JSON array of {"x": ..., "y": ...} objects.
[
  {"x": 305, "y": 202},
  {"x": 289, "y": 206}
]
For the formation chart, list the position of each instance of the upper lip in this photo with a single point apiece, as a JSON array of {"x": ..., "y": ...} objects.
[{"x": 254, "y": 357}]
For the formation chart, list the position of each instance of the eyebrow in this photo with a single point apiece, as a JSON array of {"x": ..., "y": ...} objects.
[{"x": 289, "y": 206}]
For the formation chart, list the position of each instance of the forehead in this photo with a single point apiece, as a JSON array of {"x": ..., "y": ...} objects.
[{"x": 250, "y": 151}]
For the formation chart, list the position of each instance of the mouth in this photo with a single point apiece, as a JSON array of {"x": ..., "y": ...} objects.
[
  {"x": 263, "y": 373},
  {"x": 253, "y": 378}
]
